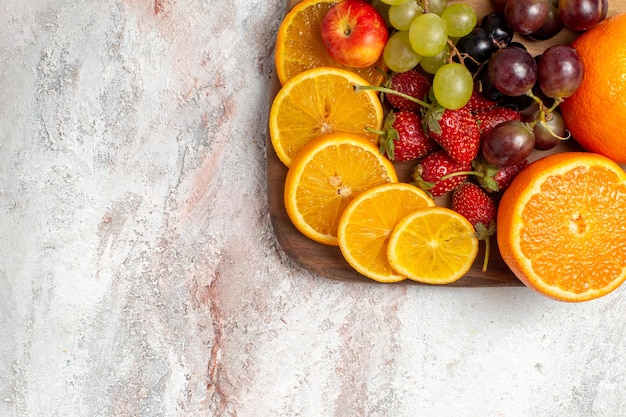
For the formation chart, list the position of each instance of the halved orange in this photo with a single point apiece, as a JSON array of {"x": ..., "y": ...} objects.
[
  {"x": 433, "y": 245},
  {"x": 320, "y": 101},
  {"x": 326, "y": 175},
  {"x": 367, "y": 223},
  {"x": 299, "y": 45},
  {"x": 562, "y": 226}
]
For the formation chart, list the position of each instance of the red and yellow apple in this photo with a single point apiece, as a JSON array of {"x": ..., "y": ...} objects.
[{"x": 354, "y": 33}]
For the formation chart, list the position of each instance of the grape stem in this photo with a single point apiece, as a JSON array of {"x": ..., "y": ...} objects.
[
  {"x": 545, "y": 114},
  {"x": 386, "y": 90},
  {"x": 542, "y": 107},
  {"x": 454, "y": 51},
  {"x": 544, "y": 117},
  {"x": 569, "y": 135}
]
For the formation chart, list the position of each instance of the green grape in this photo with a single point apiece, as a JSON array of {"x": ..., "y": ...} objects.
[
  {"x": 460, "y": 19},
  {"x": 398, "y": 53},
  {"x": 428, "y": 34},
  {"x": 403, "y": 14},
  {"x": 393, "y": 2},
  {"x": 431, "y": 64},
  {"x": 437, "y": 6},
  {"x": 452, "y": 86}
]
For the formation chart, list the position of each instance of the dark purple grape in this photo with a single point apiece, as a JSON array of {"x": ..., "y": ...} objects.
[
  {"x": 512, "y": 71},
  {"x": 580, "y": 15},
  {"x": 489, "y": 91},
  {"x": 550, "y": 132},
  {"x": 605, "y": 9},
  {"x": 560, "y": 71},
  {"x": 497, "y": 28},
  {"x": 478, "y": 45},
  {"x": 526, "y": 16},
  {"x": 552, "y": 25},
  {"x": 508, "y": 143}
]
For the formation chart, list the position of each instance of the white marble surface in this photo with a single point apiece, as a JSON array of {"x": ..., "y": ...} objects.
[{"x": 139, "y": 273}]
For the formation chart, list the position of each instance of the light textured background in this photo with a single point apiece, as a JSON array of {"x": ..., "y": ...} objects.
[{"x": 139, "y": 273}]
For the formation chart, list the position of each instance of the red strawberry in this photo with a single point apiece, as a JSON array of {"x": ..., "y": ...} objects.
[
  {"x": 456, "y": 131},
  {"x": 488, "y": 119},
  {"x": 412, "y": 83},
  {"x": 403, "y": 137},
  {"x": 473, "y": 203},
  {"x": 427, "y": 174},
  {"x": 478, "y": 102}
]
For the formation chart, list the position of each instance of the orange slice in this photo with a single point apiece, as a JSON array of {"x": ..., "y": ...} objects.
[
  {"x": 326, "y": 175},
  {"x": 433, "y": 245},
  {"x": 562, "y": 226},
  {"x": 367, "y": 223},
  {"x": 317, "y": 102},
  {"x": 299, "y": 45}
]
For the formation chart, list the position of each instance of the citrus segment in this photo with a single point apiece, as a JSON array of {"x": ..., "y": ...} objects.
[
  {"x": 326, "y": 175},
  {"x": 367, "y": 223},
  {"x": 434, "y": 245},
  {"x": 594, "y": 113},
  {"x": 299, "y": 44},
  {"x": 561, "y": 226},
  {"x": 321, "y": 101}
]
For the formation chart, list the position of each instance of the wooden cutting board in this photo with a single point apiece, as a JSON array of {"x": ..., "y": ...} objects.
[{"x": 327, "y": 261}]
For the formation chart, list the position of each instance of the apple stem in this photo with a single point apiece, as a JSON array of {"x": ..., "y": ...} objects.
[{"x": 386, "y": 90}]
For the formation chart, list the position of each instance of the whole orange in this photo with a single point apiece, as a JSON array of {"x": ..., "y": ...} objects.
[{"x": 594, "y": 114}]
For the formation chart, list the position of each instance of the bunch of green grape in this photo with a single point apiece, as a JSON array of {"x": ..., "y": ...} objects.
[{"x": 423, "y": 31}]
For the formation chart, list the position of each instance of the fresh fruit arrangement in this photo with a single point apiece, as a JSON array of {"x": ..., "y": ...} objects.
[{"x": 403, "y": 149}]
